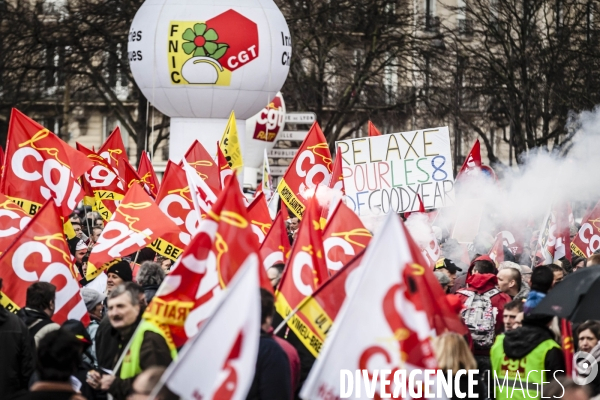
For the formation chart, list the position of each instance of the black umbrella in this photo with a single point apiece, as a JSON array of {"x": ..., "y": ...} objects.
[{"x": 576, "y": 298}]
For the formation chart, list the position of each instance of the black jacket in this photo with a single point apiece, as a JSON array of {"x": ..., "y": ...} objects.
[
  {"x": 149, "y": 292},
  {"x": 521, "y": 341},
  {"x": 16, "y": 353},
  {"x": 272, "y": 378}
]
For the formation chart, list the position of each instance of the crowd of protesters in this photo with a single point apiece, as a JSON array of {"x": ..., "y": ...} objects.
[{"x": 42, "y": 360}]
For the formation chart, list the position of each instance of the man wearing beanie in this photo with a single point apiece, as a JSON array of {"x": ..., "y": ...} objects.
[
  {"x": 94, "y": 304},
  {"x": 118, "y": 274},
  {"x": 527, "y": 356}
]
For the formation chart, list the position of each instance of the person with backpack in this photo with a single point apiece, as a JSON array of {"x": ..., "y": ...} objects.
[
  {"x": 483, "y": 306},
  {"x": 39, "y": 309}
]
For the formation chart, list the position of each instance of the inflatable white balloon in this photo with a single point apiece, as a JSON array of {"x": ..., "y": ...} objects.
[
  {"x": 198, "y": 61},
  {"x": 262, "y": 130}
]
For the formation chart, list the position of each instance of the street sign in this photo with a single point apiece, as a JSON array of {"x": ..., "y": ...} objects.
[
  {"x": 292, "y": 135},
  {"x": 282, "y": 153},
  {"x": 300, "y": 117},
  {"x": 278, "y": 171}
]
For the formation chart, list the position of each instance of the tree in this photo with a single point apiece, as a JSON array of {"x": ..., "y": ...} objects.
[
  {"x": 72, "y": 52},
  {"x": 524, "y": 64},
  {"x": 348, "y": 60}
]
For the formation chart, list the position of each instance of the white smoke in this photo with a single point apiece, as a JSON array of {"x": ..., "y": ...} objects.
[
  {"x": 524, "y": 195},
  {"x": 419, "y": 228}
]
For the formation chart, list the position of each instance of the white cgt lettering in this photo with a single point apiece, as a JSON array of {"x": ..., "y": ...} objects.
[
  {"x": 50, "y": 168},
  {"x": 51, "y": 271},
  {"x": 123, "y": 240},
  {"x": 310, "y": 175},
  {"x": 302, "y": 259},
  {"x": 12, "y": 230},
  {"x": 587, "y": 236},
  {"x": 274, "y": 257},
  {"x": 331, "y": 243}
]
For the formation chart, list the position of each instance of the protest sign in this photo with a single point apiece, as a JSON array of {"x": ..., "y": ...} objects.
[{"x": 388, "y": 173}]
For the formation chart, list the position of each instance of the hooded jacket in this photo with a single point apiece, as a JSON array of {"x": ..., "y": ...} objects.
[
  {"x": 16, "y": 353},
  {"x": 481, "y": 283},
  {"x": 38, "y": 323},
  {"x": 521, "y": 341}
]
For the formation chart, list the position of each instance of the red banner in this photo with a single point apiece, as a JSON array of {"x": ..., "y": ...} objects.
[
  {"x": 230, "y": 242},
  {"x": 40, "y": 253},
  {"x": 198, "y": 157},
  {"x": 587, "y": 240},
  {"x": 373, "y": 131},
  {"x": 497, "y": 250},
  {"x": 102, "y": 185},
  {"x": 276, "y": 247},
  {"x": 113, "y": 151},
  {"x": 306, "y": 269},
  {"x": 13, "y": 219},
  {"x": 310, "y": 168},
  {"x": 40, "y": 167},
  {"x": 344, "y": 237},
  {"x": 472, "y": 162},
  {"x": 147, "y": 174},
  {"x": 136, "y": 223},
  {"x": 175, "y": 201},
  {"x": 318, "y": 311},
  {"x": 260, "y": 218}
]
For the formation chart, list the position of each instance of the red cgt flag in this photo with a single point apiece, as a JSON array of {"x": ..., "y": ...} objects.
[
  {"x": 306, "y": 269},
  {"x": 566, "y": 333},
  {"x": 205, "y": 166},
  {"x": 147, "y": 174},
  {"x": 260, "y": 218},
  {"x": 136, "y": 223},
  {"x": 175, "y": 200},
  {"x": 13, "y": 219},
  {"x": 102, "y": 184},
  {"x": 310, "y": 168},
  {"x": 318, "y": 311},
  {"x": 587, "y": 240},
  {"x": 373, "y": 131},
  {"x": 113, "y": 151},
  {"x": 235, "y": 240},
  {"x": 472, "y": 162},
  {"x": 497, "y": 250},
  {"x": 176, "y": 296},
  {"x": 344, "y": 237},
  {"x": 230, "y": 242},
  {"x": 40, "y": 167},
  {"x": 40, "y": 253},
  {"x": 276, "y": 246}
]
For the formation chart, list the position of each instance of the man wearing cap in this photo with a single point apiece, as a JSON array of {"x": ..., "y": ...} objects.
[
  {"x": 94, "y": 304},
  {"x": 118, "y": 274},
  {"x": 448, "y": 268}
]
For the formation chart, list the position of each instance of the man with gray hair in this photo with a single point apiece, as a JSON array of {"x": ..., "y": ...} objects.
[
  {"x": 149, "y": 345},
  {"x": 150, "y": 276}
]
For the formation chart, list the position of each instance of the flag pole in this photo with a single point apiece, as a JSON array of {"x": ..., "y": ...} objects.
[{"x": 291, "y": 314}]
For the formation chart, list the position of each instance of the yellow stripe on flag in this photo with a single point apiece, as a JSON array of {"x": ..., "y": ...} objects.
[
  {"x": 307, "y": 336},
  {"x": 166, "y": 249},
  {"x": 29, "y": 206},
  {"x": 8, "y": 304},
  {"x": 290, "y": 199}
]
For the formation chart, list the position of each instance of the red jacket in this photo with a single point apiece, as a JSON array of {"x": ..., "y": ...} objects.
[{"x": 481, "y": 283}]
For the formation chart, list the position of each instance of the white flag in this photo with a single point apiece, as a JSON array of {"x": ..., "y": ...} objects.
[
  {"x": 219, "y": 362},
  {"x": 378, "y": 327},
  {"x": 267, "y": 179}
]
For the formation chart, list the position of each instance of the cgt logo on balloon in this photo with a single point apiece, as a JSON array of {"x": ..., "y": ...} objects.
[{"x": 208, "y": 53}]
